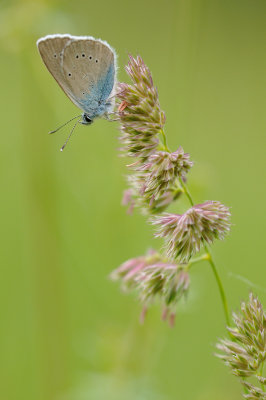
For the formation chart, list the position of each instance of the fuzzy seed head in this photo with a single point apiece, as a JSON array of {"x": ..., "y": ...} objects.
[
  {"x": 161, "y": 172},
  {"x": 185, "y": 234},
  {"x": 139, "y": 109},
  {"x": 129, "y": 270},
  {"x": 154, "y": 277},
  {"x": 246, "y": 352}
]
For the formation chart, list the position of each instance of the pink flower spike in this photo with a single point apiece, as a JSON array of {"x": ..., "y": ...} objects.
[
  {"x": 185, "y": 234},
  {"x": 139, "y": 111},
  {"x": 154, "y": 277}
]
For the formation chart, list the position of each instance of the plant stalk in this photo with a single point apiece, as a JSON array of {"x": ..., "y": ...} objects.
[{"x": 209, "y": 258}]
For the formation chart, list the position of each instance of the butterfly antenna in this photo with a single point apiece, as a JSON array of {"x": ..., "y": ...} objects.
[
  {"x": 72, "y": 130},
  {"x": 57, "y": 129}
]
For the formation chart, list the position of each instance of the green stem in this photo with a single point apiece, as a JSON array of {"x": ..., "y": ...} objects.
[
  {"x": 186, "y": 191},
  {"x": 165, "y": 141},
  {"x": 196, "y": 260},
  {"x": 220, "y": 286},
  {"x": 208, "y": 257}
]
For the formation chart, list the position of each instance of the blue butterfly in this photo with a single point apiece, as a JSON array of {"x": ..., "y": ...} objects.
[{"x": 85, "y": 68}]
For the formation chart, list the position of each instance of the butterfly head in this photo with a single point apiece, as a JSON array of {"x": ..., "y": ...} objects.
[{"x": 86, "y": 120}]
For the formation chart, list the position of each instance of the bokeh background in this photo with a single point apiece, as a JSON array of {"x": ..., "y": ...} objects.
[{"x": 67, "y": 332}]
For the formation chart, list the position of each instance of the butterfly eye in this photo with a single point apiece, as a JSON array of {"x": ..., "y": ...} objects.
[
  {"x": 86, "y": 119},
  {"x": 96, "y": 61},
  {"x": 69, "y": 74},
  {"x": 90, "y": 57},
  {"x": 54, "y": 55},
  {"x": 83, "y": 55},
  {"x": 77, "y": 56}
]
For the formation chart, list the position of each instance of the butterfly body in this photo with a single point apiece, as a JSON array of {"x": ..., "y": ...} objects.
[{"x": 85, "y": 68}]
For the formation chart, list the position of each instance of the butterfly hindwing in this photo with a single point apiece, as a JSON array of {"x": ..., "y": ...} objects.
[{"x": 89, "y": 71}]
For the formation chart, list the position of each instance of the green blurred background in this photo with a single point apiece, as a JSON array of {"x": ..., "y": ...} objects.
[{"x": 67, "y": 332}]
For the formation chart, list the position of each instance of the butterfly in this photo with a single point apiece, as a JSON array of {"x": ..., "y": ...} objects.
[{"x": 85, "y": 68}]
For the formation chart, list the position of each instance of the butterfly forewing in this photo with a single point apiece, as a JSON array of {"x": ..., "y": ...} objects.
[
  {"x": 51, "y": 50},
  {"x": 83, "y": 67}
]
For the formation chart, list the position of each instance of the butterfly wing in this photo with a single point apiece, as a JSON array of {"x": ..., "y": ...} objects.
[
  {"x": 51, "y": 49},
  {"x": 88, "y": 66},
  {"x": 85, "y": 69}
]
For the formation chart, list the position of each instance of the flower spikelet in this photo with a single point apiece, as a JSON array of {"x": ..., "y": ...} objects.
[
  {"x": 168, "y": 280},
  {"x": 185, "y": 234},
  {"x": 153, "y": 276},
  {"x": 140, "y": 114},
  {"x": 129, "y": 270},
  {"x": 162, "y": 171},
  {"x": 246, "y": 352},
  {"x": 137, "y": 196},
  {"x": 254, "y": 392}
]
